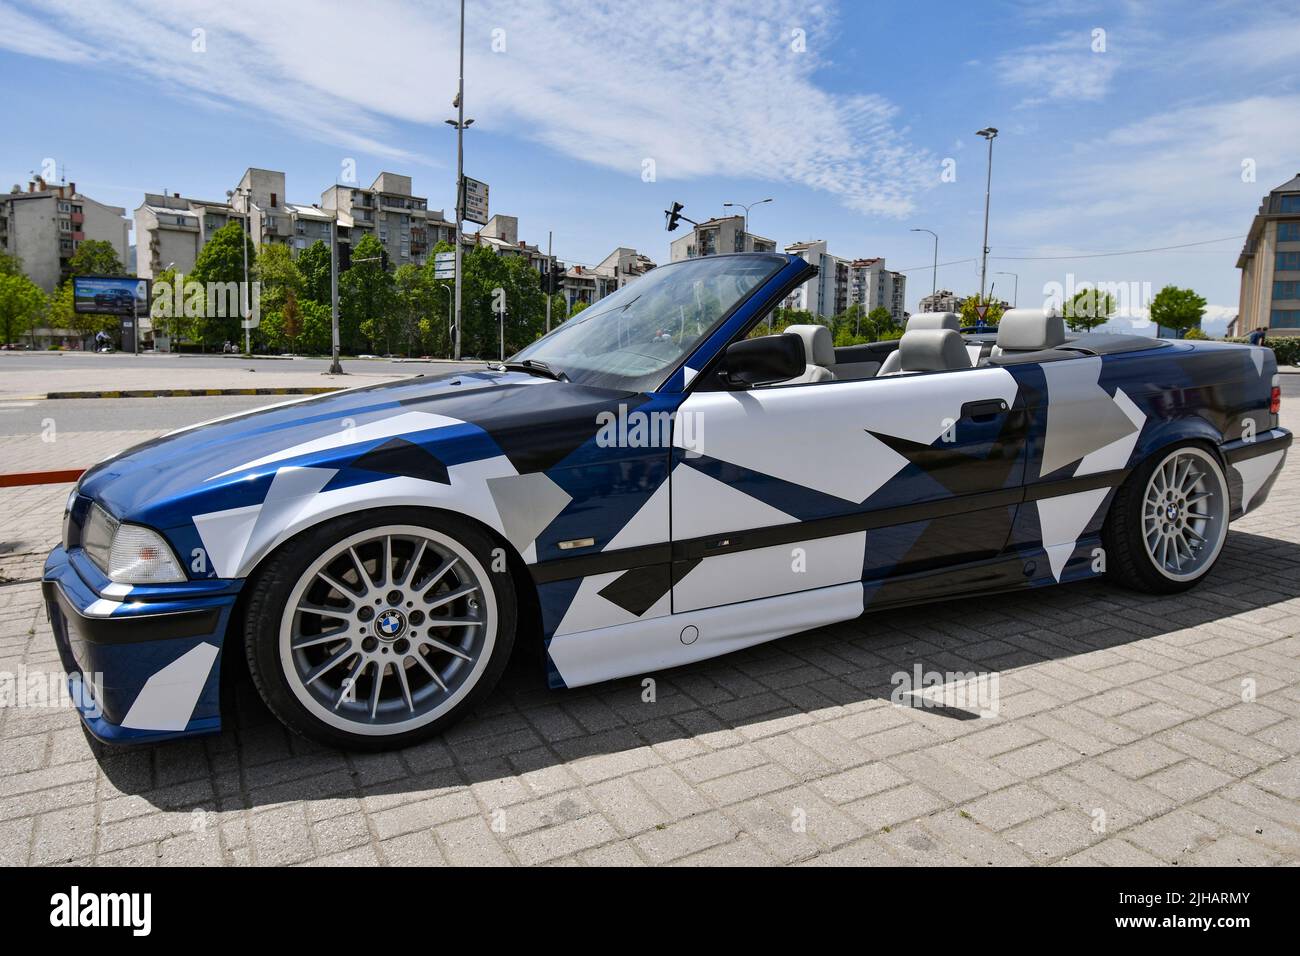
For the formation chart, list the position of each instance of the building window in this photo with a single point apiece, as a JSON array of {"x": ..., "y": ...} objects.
[
  {"x": 1289, "y": 203},
  {"x": 1288, "y": 232},
  {"x": 1287, "y": 261},
  {"x": 1286, "y": 290},
  {"x": 65, "y": 207},
  {"x": 1285, "y": 319}
]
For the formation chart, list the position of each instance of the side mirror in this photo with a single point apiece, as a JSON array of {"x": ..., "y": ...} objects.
[{"x": 762, "y": 361}]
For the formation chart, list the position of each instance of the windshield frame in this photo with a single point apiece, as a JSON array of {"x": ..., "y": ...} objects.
[{"x": 653, "y": 382}]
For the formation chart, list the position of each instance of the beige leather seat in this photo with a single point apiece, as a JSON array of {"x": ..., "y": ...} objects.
[
  {"x": 921, "y": 322},
  {"x": 932, "y": 350},
  {"x": 1029, "y": 330},
  {"x": 819, "y": 352}
]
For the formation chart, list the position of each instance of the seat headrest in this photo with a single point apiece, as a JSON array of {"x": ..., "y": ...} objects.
[
  {"x": 932, "y": 350},
  {"x": 933, "y": 320},
  {"x": 1030, "y": 330},
  {"x": 818, "y": 345}
]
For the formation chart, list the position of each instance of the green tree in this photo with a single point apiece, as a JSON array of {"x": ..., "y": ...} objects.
[
  {"x": 10, "y": 265},
  {"x": 367, "y": 300},
  {"x": 221, "y": 260},
  {"x": 418, "y": 302},
  {"x": 578, "y": 307},
  {"x": 1088, "y": 309},
  {"x": 314, "y": 268},
  {"x": 165, "y": 319},
  {"x": 1177, "y": 309},
  {"x": 63, "y": 315},
  {"x": 22, "y": 306},
  {"x": 991, "y": 316},
  {"x": 95, "y": 257},
  {"x": 278, "y": 274},
  {"x": 316, "y": 336}
]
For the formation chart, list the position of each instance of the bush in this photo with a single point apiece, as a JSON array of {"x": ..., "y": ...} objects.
[
  {"x": 1195, "y": 334},
  {"x": 1287, "y": 350}
]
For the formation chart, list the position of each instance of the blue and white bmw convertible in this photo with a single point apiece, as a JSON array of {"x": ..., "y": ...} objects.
[{"x": 653, "y": 483}]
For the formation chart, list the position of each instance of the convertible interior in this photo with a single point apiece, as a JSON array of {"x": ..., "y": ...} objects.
[{"x": 935, "y": 342}]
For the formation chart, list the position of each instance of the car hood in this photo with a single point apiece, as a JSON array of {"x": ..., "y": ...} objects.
[{"x": 533, "y": 421}]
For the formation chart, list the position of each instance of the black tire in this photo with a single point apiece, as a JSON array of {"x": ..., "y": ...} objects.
[
  {"x": 275, "y": 581},
  {"x": 1128, "y": 560}
]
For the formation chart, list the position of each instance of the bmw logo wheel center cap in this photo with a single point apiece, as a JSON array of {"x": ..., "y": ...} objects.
[{"x": 390, "y": 624}]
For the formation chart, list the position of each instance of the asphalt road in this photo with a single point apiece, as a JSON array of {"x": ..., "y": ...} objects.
[
  {"x": 313, "y": 366},
  {"x": 124, "y": 414}
]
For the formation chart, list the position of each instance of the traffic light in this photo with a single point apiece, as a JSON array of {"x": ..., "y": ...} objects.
[
  {"x": 383, "y": 259},
  {"x": 552, "y": 279},
  {"x": 345, "y": 256},
  {"x": 673, "y": 215}
]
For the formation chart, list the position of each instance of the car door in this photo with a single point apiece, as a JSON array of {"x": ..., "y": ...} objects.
[{"x": 792, "y": 488}]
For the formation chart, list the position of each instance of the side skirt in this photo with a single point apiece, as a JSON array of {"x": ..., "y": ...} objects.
[{"x": 643, "y": 647}]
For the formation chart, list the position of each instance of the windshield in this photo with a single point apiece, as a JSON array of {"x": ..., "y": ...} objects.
[{"x": 633, "y": 338}]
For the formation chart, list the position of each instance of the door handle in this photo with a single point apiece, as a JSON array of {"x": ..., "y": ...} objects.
[{"x": 985, "y": 410}]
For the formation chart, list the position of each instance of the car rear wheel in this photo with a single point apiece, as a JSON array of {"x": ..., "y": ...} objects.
[
  {"x": 380, "y": 630},
  {"x": 1169, "y": 520}
]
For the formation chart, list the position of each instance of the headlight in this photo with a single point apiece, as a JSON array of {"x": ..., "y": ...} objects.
[
  {"x": 128, "y": 553},
  {"x": 97, "y": 536}
]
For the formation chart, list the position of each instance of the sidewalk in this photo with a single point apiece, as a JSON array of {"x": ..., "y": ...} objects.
[{"x": 27, "y": 377}]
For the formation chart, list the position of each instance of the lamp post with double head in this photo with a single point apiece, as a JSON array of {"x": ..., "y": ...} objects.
[
  {"x": 990, "y": 133},
  {"x": 460, "y": 124},
  {"x": 746, "y": 207}
]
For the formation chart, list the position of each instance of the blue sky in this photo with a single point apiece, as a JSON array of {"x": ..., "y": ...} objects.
[{"x": 845, "y": 114}]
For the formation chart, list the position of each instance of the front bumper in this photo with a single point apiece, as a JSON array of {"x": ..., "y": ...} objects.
[{"x": 143, "y": 664}]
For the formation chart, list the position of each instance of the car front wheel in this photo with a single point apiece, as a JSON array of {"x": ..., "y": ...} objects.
[
  {"x": 380, "y": 630},
  {"x": 1169, "y": 520}
]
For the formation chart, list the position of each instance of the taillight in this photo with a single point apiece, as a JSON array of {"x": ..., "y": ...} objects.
[{"x": 1275, "y": 400}]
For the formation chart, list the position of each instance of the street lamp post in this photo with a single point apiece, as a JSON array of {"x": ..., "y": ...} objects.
[
  {"x": 1015, "y": 288},
  {"x": 934, "y": 276},
  {"x": 335, "y": 367},
  {"x": 243, "y": 294},
  {"x": 461, "y": 125},
  {"x": 989, "y": 133},
  {"x": 746, "y": 207}
]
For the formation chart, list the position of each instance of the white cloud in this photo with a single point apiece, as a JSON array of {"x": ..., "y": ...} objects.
[
  {"x": 1064, "y": 69},
  {"x": 703, "y": 89},
  {"x": 24, "y": 34}
]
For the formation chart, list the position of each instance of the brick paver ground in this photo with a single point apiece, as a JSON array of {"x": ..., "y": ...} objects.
[{"x": 1131, "y": 730}]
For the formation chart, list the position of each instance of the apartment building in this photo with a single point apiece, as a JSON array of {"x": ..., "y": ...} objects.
[
  {"x": 170, "y": 230},
  {"x": 501, "y": 235},
  {"x": 942, "y": 301},
  {"x": 389, "y": 210},
  {"x": 820, "y": 294},
  {"x": 44, "y": 225},
  {"x": 841, "y": 283},
  {"x": 872, "y": 286},
  {"x": 717, "y": 237},
  {"x": 588, "y": 284},
  {"x": 1270, "y": 266}
]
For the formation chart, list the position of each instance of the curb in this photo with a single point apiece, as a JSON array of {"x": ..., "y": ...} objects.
[
  {"x": 40, "y": 477},
  {"x": 194, "y": 392}
]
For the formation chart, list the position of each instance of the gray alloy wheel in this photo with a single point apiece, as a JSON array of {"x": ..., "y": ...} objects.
[
  {"x": 1185, "y": 513},
  {"x": 387, "y": 630}
]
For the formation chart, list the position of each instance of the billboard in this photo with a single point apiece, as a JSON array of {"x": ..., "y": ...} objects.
[
  {"x": 110, "y": 295},
  {"x": 475, "y": 205}
]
